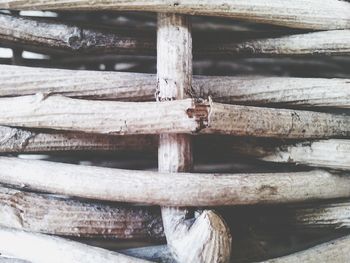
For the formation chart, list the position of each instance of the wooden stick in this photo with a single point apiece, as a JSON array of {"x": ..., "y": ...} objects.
[
  {"x": 332, "y": 153},
  {"x": 30, "y": 247},
  {"x": 336, "y": 251},
  {"x": 205, "y": 239},
  {"x": 60, "y": 216},
  {"x": 181, "y": 116},
  {"x": 330, "y": 14},
  {"x": 298, "y": 92},
  {"x": 186, "y": 189}
]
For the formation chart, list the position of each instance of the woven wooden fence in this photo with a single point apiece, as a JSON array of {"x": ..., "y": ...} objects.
[{"x": 175, "y": 100}]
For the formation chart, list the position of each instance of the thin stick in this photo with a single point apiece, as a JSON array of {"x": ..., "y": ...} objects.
[
  {"x": 30, "y": 247},
  {"x": 299, "y": 92},
  {"x": 206, "y": 239},
  {"x": 330, "y": 14},
  {"x": 60, "y": 216},
  {"x": 183, "y": 189}
]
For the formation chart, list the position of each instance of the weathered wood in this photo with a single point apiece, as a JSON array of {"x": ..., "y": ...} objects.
[
  {"x": 181, "y": 116},
  {"x": 205, "y": 239},
  {"x": 41, "y": 34},
  {"x": 14, "y": 140},
  {"x": 178, "y": 189},
  {"x": 30, "y": 247},
  {"x": 333, "y": 153},
  {"x": 61, "y": 216},
  {"x": 298, "y": 92},
  {"x": 336, "y": 251},
  {"x": 330, "y": 14}
]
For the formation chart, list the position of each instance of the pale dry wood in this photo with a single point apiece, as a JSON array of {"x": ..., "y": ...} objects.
[
  {"x": 253, "y": 90},
  {"x": 41, "y": 34},
  {"x": 267, "y": 122},
  {"x": 312, "y": 14},
  {"x": 178, "y": 189},
  {"x": 181, "y": 116},
  {"x": 333, "y": 153},
  {"x": 206, "y": 238},
  {"x": 106, "y": 117},
  {"x": 65, "y": 217},
  {"x": 30, "y": 247},
  {"x": 336, "y": 251},
  {"x": 56, "y": 37},
  {"x": 15, "y": 140}
]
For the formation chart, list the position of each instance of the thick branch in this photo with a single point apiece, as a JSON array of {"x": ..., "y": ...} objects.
[
  {"x": 59, "y": 216},
  {"x": 183, "y": 189},
  {"x": 30, "y": 247},
  {"x": 301, "y": 92},
  {"x": 330, "y": 14}
]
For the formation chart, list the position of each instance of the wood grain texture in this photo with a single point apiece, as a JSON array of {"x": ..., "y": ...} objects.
[
  {"x": 336, "y": 251},
  {"x": 30, "y": 247},
  {"x": 181, "y": 116},
  {"x": 330, "y": 14},
  {"x": 178, "y": 189},
  {"x": 66, "y": 217},
  {"x": 206, "y": 238},
  {"x": 253, "y": 90},
  {"x": 333, "y": 153}
]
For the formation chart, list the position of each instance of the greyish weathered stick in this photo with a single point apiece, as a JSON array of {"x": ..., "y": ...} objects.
[
  {"x": 298, "y": 92},
  {"x": 61, "y": 216},
  {"x": 333, "y": 153},
  {"x": 30, "y": 247},
  {"x": 178, "y": 189},
  {"x": 335, "y": 251},
  {"x": 206, "y": 238},
  {"x": 181, "y": 116},
  {"x": 312, "y": 14},
  {"x": 52, "y": 37}
]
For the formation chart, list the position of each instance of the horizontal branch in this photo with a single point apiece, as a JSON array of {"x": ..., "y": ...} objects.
[
  {"x": 181, "y": 116},
  {"x": 59, "y": 216},
  {"x": 336, "y": 251},
  {"x": 30, "y": 247},
  {"x": 332, "y": 153},
  {"x": 298, "y": 92},
  {"x": 330, "y": 14},
  {"x": 172, "y": 189},
  {"x": 47, "y": 36}
]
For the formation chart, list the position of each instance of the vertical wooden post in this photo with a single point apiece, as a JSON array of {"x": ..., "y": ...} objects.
[{"x": 191, "y": 240}]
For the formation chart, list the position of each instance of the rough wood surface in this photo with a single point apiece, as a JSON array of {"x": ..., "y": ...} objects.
[
  {"x": 312, "y": 14},
  {"x": 336, "y": 251},
  {"x": 333, "y": 153},
  {"x": 30, "y": 247},
  {"x": 55, "y": 37},
  {"x": 178, "y": 189},
  {"x": 206, "y": 238},
  {"x": 41, "y": 34},
  {"x": 298, "y": 92},
  {"x": 65, "y": 217},
  {"x": 181, "y": 116}
]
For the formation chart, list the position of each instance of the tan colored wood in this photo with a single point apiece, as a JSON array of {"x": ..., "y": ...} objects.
[
  {"x": 64, "y": 217},
  {"x": 178, "y": 189},
  {"x": 312, "y": 14},
  {"x": 297, "y": 92},
  {"x": 206, "y": 238},
  {"x": 39, "y": 248},
  {"x": 336, "y": 251}
]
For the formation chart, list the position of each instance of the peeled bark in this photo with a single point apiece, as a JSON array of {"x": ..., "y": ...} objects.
[{"x": 178, "y": 189}]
